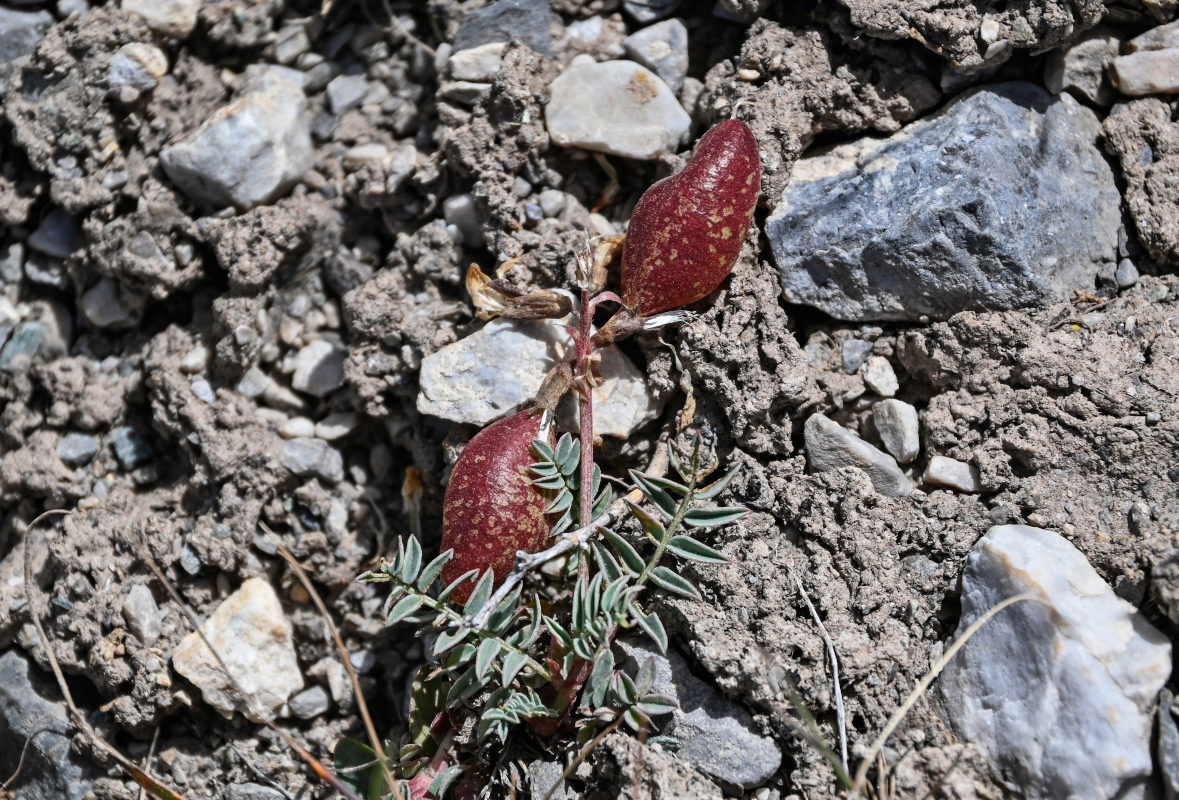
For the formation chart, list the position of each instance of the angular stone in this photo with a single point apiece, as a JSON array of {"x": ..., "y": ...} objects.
[
  {"x": 716, "y": 736},
  {"x": 854, "y": 353},
  {"x": 880, "y": 377},
  {"x": 830, "y": 446},
  {"x": 526, "y": 20},
  {"x": 311, "y": 457},
  {"x": 346, "y": 92},
  {"x": 1147, "y": 72},
  {"x": 131, "y": 447},
  {"x": 616, "y": 107},
  {"x": 58, "y": 235},
  {"x": 76, "y": 449},
  {"x": 1127, "y": 274},
  {"x": 476, "y": 64},
  {"x": 310, "y": 703},
  {"x": 20, "y": 31},
  {"x": 253, "y": 637},
  {"x": 899, "y": 429},
  {"x": 663, "y": 49},
  {"x": 137, "y": 67},
  {"x": 955, "y": 474},
  {"x": 30, "y": 707},
  {"x": 1158, "y": 38},
  {"x": 103, "y": 306},
  {"x": 877, "y": 229},
  {"x": 249, "y": 152},
  {"x": 1057, "y": 692},
  {"x": 319, "y": 369},
  {"x": 644, "y": 11},
  {"x": 142, "y": 614},
  {"x": 169, "y": 17},
  {"x": 493, "y": 371},
  {"x": 1081, "y": 67}
]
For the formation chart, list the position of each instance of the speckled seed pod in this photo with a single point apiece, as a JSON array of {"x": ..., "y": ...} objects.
[
  {"x": 491, "y": 509},
  {"x": 686, "y": 231}
]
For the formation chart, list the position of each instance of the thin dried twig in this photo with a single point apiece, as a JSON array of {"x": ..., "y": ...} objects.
[
  {"x": 144, "y": 779},
  {"x": 151, "y": 753},
  {"x": 582, "y": 755},
  {"x": 840, "y": 716},
  {"x": 566, "y": 542},
  {"x": 322, "y": 772},
  {"x": 361, "y": 705}
]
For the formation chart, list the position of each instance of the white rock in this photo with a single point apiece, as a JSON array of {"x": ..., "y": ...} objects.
[
  {"x": 1147, "y": 72},
  {"x": 142, "y": 614},
  {"x": 297, "y": 427},
  {"x": 880, "y": 377},
  {"x": 953, "y": 473},
  {"x": 896, "y": 422},
  {"x": 319, "y": 369},
  {"x": 253, "y": 637},
  {"x": 1082, "y": 65},
  {"x": 195, "y": 360},
  {"x": 830, "y": 446},
  {"x": 663, "y": 49},
  {"x": 616, "y": 107},
  {"x": 477, "y": 63},
  {"x": 336, "y": 426},
  {"x": 346, "y": 92},
  {"x": 493, "y": 371},
  {"x": 311, "y": 457},
  {"x": 1056, "y": 692},
  {"x": 104, "y": 307},
  {"x": 1158, "y": 38},
  {"x": 170, "y": 17},
  {"x": 137, "y": 67},
  {"x": 459, "y": 210},
  {"x": 249, "y": 152}
]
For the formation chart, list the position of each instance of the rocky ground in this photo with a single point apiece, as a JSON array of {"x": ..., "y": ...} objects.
[{"x": 233, "y": 238}]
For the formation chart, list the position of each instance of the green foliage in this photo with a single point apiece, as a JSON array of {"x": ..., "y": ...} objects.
[{"x": 531, "y": 658}]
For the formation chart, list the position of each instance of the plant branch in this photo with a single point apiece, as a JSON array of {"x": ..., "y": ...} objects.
[
  {"x": 840, "y": 716},
  {"x": 566, "y": 542}
]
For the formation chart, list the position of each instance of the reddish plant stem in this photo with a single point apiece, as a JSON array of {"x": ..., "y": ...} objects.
[{"x": 585, "y": 367}]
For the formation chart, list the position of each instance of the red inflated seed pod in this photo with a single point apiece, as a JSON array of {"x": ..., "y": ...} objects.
[
  {"x": 491, "y": 508},
  {"x": 686, "y": 231}
]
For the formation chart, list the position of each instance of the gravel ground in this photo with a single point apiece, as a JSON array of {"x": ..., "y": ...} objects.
[{"x": 233, "y": 241}]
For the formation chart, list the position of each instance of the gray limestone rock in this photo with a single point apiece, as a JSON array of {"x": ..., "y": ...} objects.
[
  {"x": 76, "y": 449},
  {"x": 1017, "y": 208},
  {"x": 20, "y": 31},
  {"x": 616, "y": 107},
  {"x": 952, "y": 473},
  {"x": 1147, "y": 72},
  {"x": 899, "y": 429},
  {"x": 29, "y": 703},
  {"x": 526, "y": 20},
  {"x": 249, "y": 152},
  {"x": 715, "y": 735},
  {"x": 307, "y": 456},
  {"x": 644, "y": 11},
  {"x": 1057, "y": 692},
  {"x": 663, "y": 49},
  {"x": 831, "y": 446},
  {"x": 1081, "y": 67}
]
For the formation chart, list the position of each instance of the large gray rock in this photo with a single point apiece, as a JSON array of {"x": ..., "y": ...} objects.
[
  {"x": 615, "y": 107},
  {"x": 29, "y": 703},
  {"x": 526, "y": 20},
  {"x": 1057, "y": 692},
  {"x": 249, "y": 152},
  {"x": 494, "y": 370},
  {"x": 1001, "y": 200},
  {"x": 715, "y": 735},
  {"x": 830, "y": 446},
  {"x": 20, "y": 31}
]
